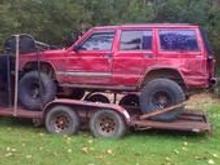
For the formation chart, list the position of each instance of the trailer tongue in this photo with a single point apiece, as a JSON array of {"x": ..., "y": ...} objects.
[{"x": 65, "y": 116}]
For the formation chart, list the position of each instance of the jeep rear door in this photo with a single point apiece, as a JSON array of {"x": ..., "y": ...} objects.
[
  {"x": 91, "y": 63},
  {"x": 134, "y": 51},
  {"x": 181, "y": 48}
]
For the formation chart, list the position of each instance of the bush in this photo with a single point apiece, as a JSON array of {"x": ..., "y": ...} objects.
[{"x": 217, "y": 88}]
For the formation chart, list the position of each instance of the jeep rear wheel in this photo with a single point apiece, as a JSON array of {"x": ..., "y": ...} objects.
[
  {"x": 35, "y": 90},
  {"x": 161, "y": 93}
]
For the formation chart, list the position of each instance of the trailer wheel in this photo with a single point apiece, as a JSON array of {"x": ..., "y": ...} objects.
[
  {"x": 161, "y": 93},
  {"x": 107, "y": 124},
  {"x": 62, "y": 120},
  {"x": 34, "y": 93}
]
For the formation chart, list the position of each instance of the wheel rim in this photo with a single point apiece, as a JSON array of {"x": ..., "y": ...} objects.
[
  {"x": 61, "y": 122},
  {"x": 106, "y": 125},
  {"x": 35, "y": 90},
  {"x": 161, "y": 99}
]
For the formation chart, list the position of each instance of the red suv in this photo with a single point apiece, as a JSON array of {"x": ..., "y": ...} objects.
[{"x": 161, "y": 62}]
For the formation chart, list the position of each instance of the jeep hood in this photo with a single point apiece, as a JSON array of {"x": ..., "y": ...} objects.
[
  {"x": 46, "y": 53},
  {"x": 53, "y": 52}
]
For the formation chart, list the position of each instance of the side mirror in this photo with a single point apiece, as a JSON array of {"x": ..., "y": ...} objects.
[{"x": 76, "y": 48}]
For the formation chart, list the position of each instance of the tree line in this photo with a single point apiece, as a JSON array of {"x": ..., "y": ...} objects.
[{"x": 52, "y": 20}]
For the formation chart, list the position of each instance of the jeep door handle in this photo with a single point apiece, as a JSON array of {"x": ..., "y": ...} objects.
[{"x": 149, "y": 55}]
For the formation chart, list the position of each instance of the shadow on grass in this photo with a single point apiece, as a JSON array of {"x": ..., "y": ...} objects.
[
  {"x": 16, "y": 122},
  {"x": 168, "y": 134},
  {"x": 151, "y": 133}
]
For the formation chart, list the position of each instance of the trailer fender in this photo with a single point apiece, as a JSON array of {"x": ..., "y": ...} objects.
[{"x": 93, "y": 106}]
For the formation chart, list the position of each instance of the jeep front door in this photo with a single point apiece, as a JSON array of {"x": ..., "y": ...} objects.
[{"x": 91, "y": 63}]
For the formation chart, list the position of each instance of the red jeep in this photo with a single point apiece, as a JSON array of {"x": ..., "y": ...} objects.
[{"x": 161, "y": 62}]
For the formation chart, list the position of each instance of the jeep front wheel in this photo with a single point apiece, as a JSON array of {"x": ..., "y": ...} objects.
[
  {"x": 35, "y": 90},
  {"x": 161, "y": 93}
]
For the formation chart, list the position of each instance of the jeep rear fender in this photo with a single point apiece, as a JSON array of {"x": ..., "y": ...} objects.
[{"x": 154, "y": 72}]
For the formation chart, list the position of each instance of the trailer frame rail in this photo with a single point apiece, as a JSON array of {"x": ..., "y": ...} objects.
[{"x": 190, "y": 121}]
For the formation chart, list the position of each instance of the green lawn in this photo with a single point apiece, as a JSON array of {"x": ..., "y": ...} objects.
[{"x": 21, "y": 143}]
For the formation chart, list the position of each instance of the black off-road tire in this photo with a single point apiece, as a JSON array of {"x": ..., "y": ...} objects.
[
  {"x": 71, "y": 93},
  {"x": 30, "y": 95},
  {"x": 170, "y": 91},
  {"x": 97, "y": 98},
  {"x": 77, "y": 94},
  {"x": 130, "y": 100},
  {"x": 62, "y": 120},
  {"x": 107, "y": 124}
]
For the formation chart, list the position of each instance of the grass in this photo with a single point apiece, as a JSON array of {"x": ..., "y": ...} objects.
[{"x": 21, "y": 143}]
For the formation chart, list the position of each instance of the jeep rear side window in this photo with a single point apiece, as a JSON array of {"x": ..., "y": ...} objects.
[
  {"x": 99, "y": 41},
  {"x": 136, "y": 40},
  {"x": 178, "y": 40}
]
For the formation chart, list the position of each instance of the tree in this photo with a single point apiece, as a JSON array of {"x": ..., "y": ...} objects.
[{"x": 52, "y": 20}]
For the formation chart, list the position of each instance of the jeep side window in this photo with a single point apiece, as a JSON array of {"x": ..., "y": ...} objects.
[
  {"x": 178, "y": 40},
  {"x": 136, "y": 40},
  {"x": 99, "y": 41}
]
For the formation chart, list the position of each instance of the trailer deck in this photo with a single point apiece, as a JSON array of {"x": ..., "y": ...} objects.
[{"x": 190, "y": 121}]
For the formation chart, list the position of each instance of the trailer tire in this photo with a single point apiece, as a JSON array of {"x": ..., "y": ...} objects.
[
  {"x": 162, "y": 93},
  {"x": 30, "y": 95},
  {"x": 107, "y": 124},
  {"x": 62, "y": 120}
]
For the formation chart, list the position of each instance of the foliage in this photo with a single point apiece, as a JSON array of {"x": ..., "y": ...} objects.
[
  {"x": 52, "y": 20},
  {"x": 217, "y": 87}
]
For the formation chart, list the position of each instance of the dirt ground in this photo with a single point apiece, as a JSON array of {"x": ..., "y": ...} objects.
[{"x": 202, "y": 101}]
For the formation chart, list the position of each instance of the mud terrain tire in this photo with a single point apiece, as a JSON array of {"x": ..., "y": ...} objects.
[
  {"x": 161, "y": 93},
  {"x": 35, "y": 90}
]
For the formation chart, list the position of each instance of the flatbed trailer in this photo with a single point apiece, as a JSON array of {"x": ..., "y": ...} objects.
[
  {"x": 190, "y": 121},
  {"x": 65, "y": 116}
]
